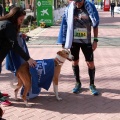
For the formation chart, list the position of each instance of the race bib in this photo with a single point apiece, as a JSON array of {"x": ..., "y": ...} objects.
[{"x": 80, "y": 33}]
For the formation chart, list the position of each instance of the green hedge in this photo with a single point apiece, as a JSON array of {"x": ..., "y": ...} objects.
[{"x": 26, "y": 29}]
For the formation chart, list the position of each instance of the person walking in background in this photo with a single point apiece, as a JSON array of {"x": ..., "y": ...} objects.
[
  {"x": 7, "y": 9},
  {"x": 1, "y": 10},
  {"x": 75, "y": 33},
  {"x": 118, "y": 5},
  {"x": 101, "y": 3},
  {"x": 112, "y": 5}
]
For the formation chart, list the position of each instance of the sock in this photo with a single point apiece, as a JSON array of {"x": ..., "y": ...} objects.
[
  {"x": 91, "y": 75},
  {"x": 76, "y": 73}
]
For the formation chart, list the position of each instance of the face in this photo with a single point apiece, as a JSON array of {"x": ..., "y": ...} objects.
[
  {"x": 79, "y": 4},
  {"x": 20, "y": 20}
]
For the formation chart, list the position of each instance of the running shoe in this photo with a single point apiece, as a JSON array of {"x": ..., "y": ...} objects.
[
  {"x": 5, "y": 95},
  {"x": 93, "y": 90},
  {"x": 6, "y": 103},
  {"x": 77, "y": 88}
]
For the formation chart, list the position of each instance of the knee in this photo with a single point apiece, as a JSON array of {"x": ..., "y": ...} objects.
[
  {"x": 91, "y": 65},
  {"x": 74, "y": 63}
]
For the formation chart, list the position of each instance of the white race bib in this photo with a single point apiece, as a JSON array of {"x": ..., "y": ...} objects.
[{"x": 80, "y": 33}]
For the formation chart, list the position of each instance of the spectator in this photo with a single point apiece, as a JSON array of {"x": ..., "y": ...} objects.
[
  {"x": 118, "y": 4},
  {"x": 112, "y": 5},
  {"x": 7, "y": 9},
  {"x": 101, "y": 3},
  {"x": 9, "y": 28}
]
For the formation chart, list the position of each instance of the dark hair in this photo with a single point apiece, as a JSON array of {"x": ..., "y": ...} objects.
[{"x": 13, "y": 15}]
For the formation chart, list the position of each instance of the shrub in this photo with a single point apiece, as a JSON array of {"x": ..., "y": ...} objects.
[
  {"x": 25, "y": 22},
  {"x": 30, "y": 18},
  {"x": 26, "y": 29}
]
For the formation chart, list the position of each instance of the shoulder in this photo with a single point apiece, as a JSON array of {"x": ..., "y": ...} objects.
[
  {"x": 8, "y": 23},
  {"x": 4, "y": 24},
  {"x": 88, "y": 3},
  {"x": 91, "y": 4}
]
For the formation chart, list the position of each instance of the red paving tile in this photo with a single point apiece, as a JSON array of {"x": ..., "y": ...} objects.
[{"x": 83, "y": 106}]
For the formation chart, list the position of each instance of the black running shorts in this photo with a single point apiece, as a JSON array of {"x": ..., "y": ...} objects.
[{"x": 86, "y": 49}]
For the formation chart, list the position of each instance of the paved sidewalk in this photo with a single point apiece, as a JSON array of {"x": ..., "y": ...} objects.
[
  {"x": 109, "y": 34},
  {"x": 82, "y": 106}
]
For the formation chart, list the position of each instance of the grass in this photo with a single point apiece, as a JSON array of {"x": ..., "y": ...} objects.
[{"x": 25, "y": 29}]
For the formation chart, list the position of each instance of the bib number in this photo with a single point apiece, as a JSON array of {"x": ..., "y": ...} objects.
[{"x": 80, "y": 33}]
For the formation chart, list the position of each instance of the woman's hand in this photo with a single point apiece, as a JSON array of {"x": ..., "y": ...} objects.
[
  {"x": 24, "y": 35},
  {"x": 31, "y": 62}
]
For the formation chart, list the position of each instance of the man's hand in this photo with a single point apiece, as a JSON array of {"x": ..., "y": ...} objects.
[
  {"x": 24, "y": 35},
  {"x": 94, "y": 45}
]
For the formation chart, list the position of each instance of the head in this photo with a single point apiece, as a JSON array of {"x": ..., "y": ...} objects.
[
  {"x": 66, "y": 54},
  {"x": 16, "y": 16},
  {"x": 79, "y": 3}
]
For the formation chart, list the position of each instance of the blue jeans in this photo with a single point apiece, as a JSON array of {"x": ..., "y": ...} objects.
[{"x": 112, "y": 12}]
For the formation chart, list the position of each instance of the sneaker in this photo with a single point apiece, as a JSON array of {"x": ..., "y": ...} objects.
[
  {"x": 2, "y": 98},
  {"x": 6, "y": 103},
  {"x": 77, "y": 88},
  {"x": 93, "y": 90},
  {"x": 5, "y": 95}
]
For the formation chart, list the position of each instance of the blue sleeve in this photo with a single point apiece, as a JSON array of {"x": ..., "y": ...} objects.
[
  {"x": 63, "y": 29},
  {"x": 96, "y": 15}
]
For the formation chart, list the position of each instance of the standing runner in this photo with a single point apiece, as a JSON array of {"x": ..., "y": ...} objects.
[{"x": 75, "y": 33}]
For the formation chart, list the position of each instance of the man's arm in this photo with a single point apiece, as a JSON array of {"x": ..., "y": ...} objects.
[
  {"x": 95, "y": 32},
  {"x": 11, "y": 37}
]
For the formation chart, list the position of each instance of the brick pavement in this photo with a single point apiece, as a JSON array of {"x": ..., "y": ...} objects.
[{"x": 82, "y": 106}]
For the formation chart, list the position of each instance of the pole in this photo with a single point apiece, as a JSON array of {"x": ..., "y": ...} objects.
[{"x": 34, "y": 8}]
